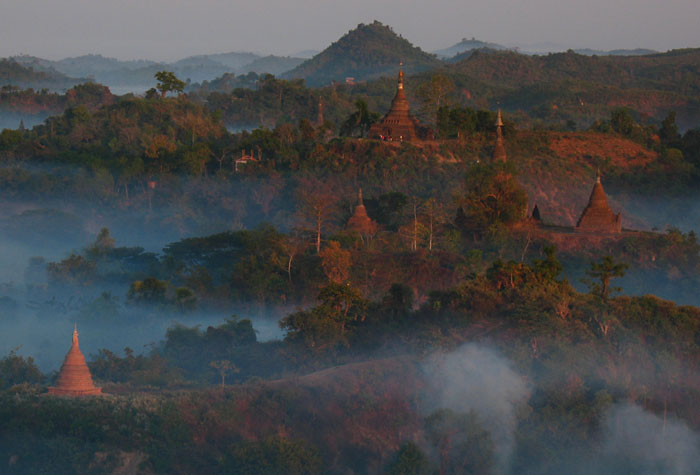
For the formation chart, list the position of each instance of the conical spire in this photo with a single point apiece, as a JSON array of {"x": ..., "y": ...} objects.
[
  {"x": 598, "y": 216},
  {"x": 499, "y": 151},
  {"x": 397, "y": 124},
  {"x": 400, "y": 103},
  {"x": 360, "y": 222},
  {"x": 74, "y": 378}
]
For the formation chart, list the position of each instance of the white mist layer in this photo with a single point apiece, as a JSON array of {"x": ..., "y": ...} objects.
[
  {"x": 477, "y": 378},
  {"x": 642, "y": 440}
]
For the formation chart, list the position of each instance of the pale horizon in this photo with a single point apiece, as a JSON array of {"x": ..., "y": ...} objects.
[{"x": 167, "y": 30}]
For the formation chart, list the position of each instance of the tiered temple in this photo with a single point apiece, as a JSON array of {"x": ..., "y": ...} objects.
[
  {"x": 74, "y": 378},
  {"x": 499, "y": 151},
  {"x": 398, "y": 124},
  {"x": 360, "y": 222},
  {"x": 598, "y": 217}
]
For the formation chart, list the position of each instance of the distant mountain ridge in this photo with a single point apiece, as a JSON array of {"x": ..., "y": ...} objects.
[
  {"x": 367, "y": 52},
  {"x": 139, "y": 74},
  {"x": 616, "y": 52},
  {"x": 466, "y": 45},
  {"x": 34, "y": 75}
]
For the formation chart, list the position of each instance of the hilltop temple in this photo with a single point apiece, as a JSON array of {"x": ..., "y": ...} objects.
[
  {"x": 398, "y": 125},
  {"x": 74, "y": 378},
  {"x": 360, "y": 222},
  {"x": 499, "y": 151},
  {"x": 598, "y": 217}
]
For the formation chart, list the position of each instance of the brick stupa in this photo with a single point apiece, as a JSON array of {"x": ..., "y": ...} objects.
[
  {"x": 360, "y": 222},
  {"x": 499, "y": 151},
  {"x": 598, "y": 217},
  {"x": 74, "y": 378},
  {"x": 398, "y": 124}
]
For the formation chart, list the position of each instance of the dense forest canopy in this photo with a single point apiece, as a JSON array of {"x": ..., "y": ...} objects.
[{"x": 199, "y": 237}]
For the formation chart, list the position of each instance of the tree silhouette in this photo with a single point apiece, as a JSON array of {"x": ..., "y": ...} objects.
[
  {"x": 224, "y": 367},
  {"x": 168, "y": 82}
]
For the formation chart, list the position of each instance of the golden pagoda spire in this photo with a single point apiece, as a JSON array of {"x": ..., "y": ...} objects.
[
  {"x": 401, "y": 75},
  {"x": 499, "y": 151}
]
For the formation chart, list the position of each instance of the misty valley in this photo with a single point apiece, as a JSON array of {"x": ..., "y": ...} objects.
[{"x": 372, "y": 260}]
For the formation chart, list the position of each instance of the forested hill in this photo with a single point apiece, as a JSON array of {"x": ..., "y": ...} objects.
[
  {"x": 367, "y": 52},
  {"x": 15, "y": 74},
  {"x": 677, "y": 70}
]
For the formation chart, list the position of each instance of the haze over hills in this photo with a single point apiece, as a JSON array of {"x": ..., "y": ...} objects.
[
  {"x": 616, "y": 52},
  {"x": 13, "y": 73},
  {"x": 466, "y": 45},
  {"x": 136, "y": 75},
  {"x": 367, "y": 52},
  {"x": 364, "y": 300},
  {"x": 555, "y": 87}
]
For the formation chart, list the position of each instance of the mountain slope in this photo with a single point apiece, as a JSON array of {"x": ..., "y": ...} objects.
[
  {"x": 271, "y": 64},
  {"x": 367, "y": 52},
  {"x": 466, "y": 45},
  {"x": 677, "y": 71},
  {"x": 234, "y": 60},
  {"x": 93, "y": 64},
  {"x": 15, "y": 74}
]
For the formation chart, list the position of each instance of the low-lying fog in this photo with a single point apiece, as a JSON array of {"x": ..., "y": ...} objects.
[{"x": 37, "y": 320}]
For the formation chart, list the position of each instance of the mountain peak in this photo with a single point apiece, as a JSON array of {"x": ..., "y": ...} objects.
[{"x": 366, "y": 52}]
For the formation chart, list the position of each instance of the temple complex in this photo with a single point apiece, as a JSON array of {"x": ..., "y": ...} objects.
[
  {"x": 499, "y": 151},
  {"x": 74, "y": 378},
  {"x": 398, "y": 124},
  {"x": 360, "y": 222},
  {"x": 598, "y": 217}
]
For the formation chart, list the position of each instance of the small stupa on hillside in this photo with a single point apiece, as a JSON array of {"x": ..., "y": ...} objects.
[
  {"x": 360, "y": 222},
  {"x": 598, "y": 217},
  {"x": 398, "y": 125},
  {"x": 74, "y": 378},
  {"x": 499, "y": 151}
]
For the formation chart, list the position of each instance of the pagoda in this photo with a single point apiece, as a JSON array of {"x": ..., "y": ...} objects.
[
  {"x": 398, "y": 124},
  {"x": 360, "y": 222},
  {"x": 598, "y": 217},
  {"x": 74, "y": 378},
  {"x": 499, "y": 151}
]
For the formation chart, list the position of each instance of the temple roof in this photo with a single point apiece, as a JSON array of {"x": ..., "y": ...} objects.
[
  {"x": 598, "y": 216},
  {"x": 397, "y": 124},
  {"x": 74, "y": 379},
  {"x": 360, "y": 222},
  {"x": 499, "y": 151}
]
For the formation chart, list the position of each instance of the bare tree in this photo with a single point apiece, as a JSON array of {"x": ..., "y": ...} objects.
[
  {"x": 224, "y": 367},
  {"x": 317, "y": 204}
]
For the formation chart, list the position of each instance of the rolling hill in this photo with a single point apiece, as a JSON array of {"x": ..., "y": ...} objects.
[
  {"x": 367, "y": 52},
  {"x": 13, "y": 73},
  {"x": 466, "y": 45}
]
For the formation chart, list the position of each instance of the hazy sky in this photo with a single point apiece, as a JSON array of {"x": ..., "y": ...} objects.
[{"x": 171, "y": 29}]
